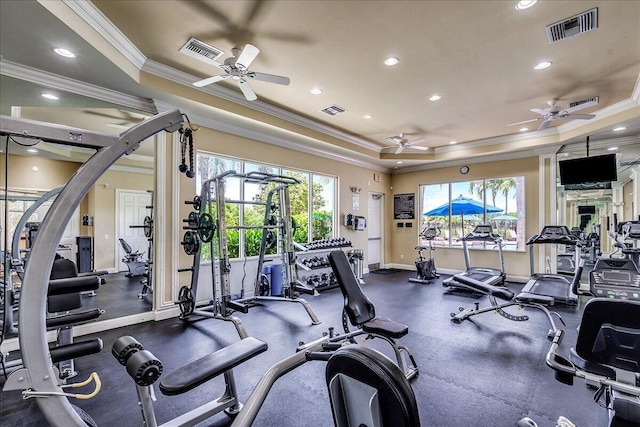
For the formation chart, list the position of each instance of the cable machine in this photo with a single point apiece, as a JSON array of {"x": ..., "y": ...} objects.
[{"x": 208, "y": 224}]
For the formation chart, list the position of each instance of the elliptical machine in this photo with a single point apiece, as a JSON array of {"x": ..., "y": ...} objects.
[{"x": 426, "y": 267}]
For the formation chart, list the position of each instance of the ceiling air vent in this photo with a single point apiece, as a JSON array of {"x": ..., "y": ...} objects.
[
  {"x": 333, "y": 110},
  {"x": 573, "y": 26},
  {"x": 590, "y": 101},
  {"x": 202, "y": 51}
]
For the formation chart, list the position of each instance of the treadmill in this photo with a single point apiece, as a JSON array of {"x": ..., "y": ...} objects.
[
  {"x": 486, "y": 275},
  {"x": 556, "y": 286}
]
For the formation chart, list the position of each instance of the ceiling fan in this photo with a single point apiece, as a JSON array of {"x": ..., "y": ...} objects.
[
  {"x": 121, "y": 119},
  {"x": 237, "y": 67},
  {"x": 554, "y": 112},
  {"x": 403, "y": 142}
]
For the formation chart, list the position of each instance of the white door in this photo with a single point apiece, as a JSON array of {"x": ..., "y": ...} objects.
[
  {"x": 374, "y": 227},
  {"x": 131, "y": 209}
]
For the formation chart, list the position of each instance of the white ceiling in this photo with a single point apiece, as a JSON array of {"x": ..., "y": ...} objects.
[{"x": 478, "y": 55}]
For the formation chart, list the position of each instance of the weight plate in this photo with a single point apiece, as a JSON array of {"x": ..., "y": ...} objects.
[
  {"x": 186, "y": 302},
  {"x": 206, "y": 227},
  {"x": 193, "y": 220},
  {"x": 148, "y": 227},
  {"x": 190, "y": 242}
]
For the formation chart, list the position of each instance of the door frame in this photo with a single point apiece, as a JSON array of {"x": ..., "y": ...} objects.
[
  {"x": 380, "y": 197},
  {"x": 117, "y": 246}
]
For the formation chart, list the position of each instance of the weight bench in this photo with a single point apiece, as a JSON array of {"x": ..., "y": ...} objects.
[
  {"x": 145, "y": 369},
  {"x": 523, "y": 299},
  {"x": 362, "y": 314}
]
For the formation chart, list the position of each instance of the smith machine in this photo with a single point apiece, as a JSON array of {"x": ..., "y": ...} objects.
[{"x": 208, "y": 224}]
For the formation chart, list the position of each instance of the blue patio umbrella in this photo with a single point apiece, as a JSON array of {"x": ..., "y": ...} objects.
[
  {"x": 462, "y": 205},
  {"x": 504, "y": 217}
]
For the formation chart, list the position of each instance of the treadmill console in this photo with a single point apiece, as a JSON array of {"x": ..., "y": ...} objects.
[
  {"x": 554, "y": 234},
  {"x": 629, "y": 229},
  {"x": 429, "y": 233},
  {"x": 616, "y": 279},
  {"x": 482, "y": 232}
]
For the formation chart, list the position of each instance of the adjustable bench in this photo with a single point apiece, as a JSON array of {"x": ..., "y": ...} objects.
[
  {"x": 362, "y": 314},
  {"x": 523, "y": 299},
  {"x": 145, "y": 369}
]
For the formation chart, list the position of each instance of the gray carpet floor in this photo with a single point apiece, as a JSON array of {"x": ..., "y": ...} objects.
[{"x": 485, "y": 372}]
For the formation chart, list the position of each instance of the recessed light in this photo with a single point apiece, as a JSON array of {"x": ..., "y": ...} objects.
[
  {"x": 398, "y": 162},
  {"x": 316, "y": 91},
  {"x": 34, "y": 168},
  {"x": 618, "y": 129},
  {"x": 64, "y": 52},
  {"x": 524, "y": 129},
  {"x": 542, "y": 65},
  {"x": 50, "y": 96},
  {"x": 435, "y": 98},
  {"x": 612, "y": 148},
  {"x": 451, "y": 142},
  {"x": 525, "y": 4},
  {"x": 367, "y": 117},
  {"x": 392, "y": 60},
  {"x": 32, "y": 150}
]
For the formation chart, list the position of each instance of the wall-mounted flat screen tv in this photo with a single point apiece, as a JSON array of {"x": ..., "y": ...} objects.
[
  {"x": 588, "y": 169},
  {"x": 586, "y": 210}
]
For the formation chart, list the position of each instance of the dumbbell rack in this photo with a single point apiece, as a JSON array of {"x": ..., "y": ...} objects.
[
  {"x": 147, "y": 277},
  {"x": 313, "y": 265}
]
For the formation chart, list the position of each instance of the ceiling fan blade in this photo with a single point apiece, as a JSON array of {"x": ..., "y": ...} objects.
[
  {"x": 247, "y": 56},
  {"x": 579, "y": 116},
  {"x": 246, "y": 90},
  {"x": 210, "y": 80},
  {"x": 400, "y": 149},
  {"x": 545, "y": 124},
  {"x": 417, "y": 141},
  {"x": 540, "y": 111},
  {"x": 271, "y": 78},
  {"x": 525, "y": 121}
]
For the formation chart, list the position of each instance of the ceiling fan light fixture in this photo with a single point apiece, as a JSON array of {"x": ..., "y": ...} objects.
[
  {"x": 390, "y": 61},
  {"x": 64, "y": 52},
  {"x": 525, "y": 4},
  {"x": 316, "y": 91},
  {"x": 435, "y": 97},
  {"x": 542, "y": 65}
]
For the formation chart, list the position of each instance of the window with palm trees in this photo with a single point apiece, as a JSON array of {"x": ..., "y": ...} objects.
[
  {"x": 456, "y": 208},
  {"x": 315, "y": 190}
]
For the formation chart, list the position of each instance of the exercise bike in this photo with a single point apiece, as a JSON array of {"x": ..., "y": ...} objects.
[{"x": 426, "y": 267}]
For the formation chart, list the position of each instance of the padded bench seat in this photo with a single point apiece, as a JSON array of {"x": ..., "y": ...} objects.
[
  {"x": 385, "y": 327},
  {"x": 202, "y": 370},
  {"x": 496, "y": 291},
  {"x": 73, "y": 284}
]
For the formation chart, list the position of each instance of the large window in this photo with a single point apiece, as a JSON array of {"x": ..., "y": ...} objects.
[
  {"x": 456, "y": 208},
  {"x": 316, "y": 190}
]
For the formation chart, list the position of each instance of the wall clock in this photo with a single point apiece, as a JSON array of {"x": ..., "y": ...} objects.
[{"x": 464, "y": 170}]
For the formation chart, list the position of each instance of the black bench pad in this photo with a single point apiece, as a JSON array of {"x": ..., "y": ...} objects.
[
  {"x": 73, "y": 284},
  {"x": 527, "y": 297},
  {"x": 73, "y": 318},
  {"x": 202, "y": 370},
  {"x": 385, "y": 327},
  {"x": 476, "y": 285},
  {"x": 76, "y": 349}
]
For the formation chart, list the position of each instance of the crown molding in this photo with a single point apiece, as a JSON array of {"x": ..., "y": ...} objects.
[
  {"x": 275, "y": 136},
  {"x": 55, "y": 81},
  {"x": 89, "y": 13}
]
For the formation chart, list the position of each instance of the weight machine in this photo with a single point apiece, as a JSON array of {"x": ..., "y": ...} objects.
[
  {"x": 38, "y": 377},
  {"x": 208, "y": 223}
]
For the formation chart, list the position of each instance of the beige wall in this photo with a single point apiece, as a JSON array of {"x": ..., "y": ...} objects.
[
  {"x": 403, "y": 240},
  {"x": 99, "y": 203}
]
